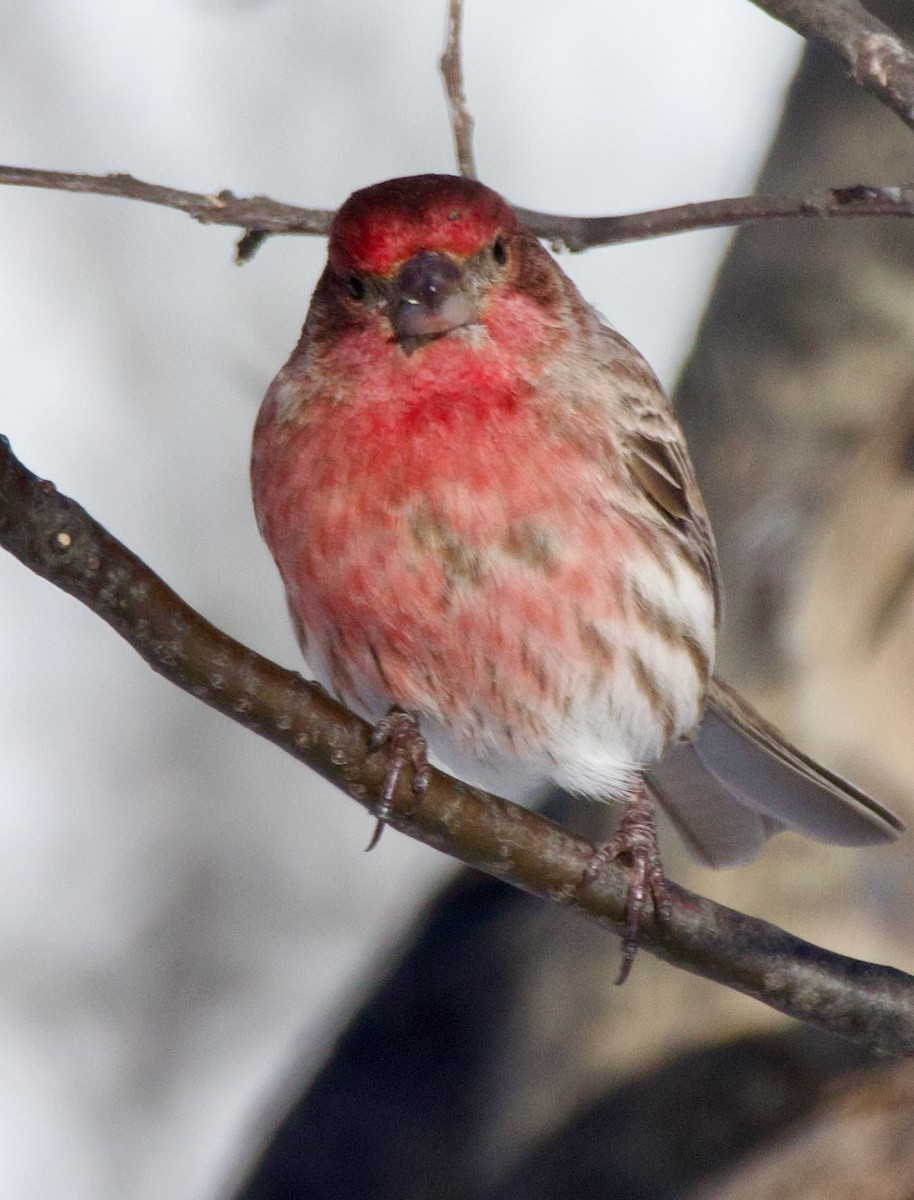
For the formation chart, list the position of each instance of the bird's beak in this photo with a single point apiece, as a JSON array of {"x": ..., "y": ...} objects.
[{"x": 431, "y": 297}]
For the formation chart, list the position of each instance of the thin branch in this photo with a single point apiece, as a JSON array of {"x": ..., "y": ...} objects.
[
  {"x": 452, "y": 73},
  {"x": 878, "y": 59},
  {"x": 259, "y": 215},
  {"x": 56, "y": 538},
  {"x": 584, "y": 233}
]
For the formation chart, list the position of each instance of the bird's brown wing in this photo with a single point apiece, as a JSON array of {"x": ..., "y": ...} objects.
[
  {"x": 737, "y": 781},
  {"x": 654, "y": 450},
  {"x": 659, "y": 464}
]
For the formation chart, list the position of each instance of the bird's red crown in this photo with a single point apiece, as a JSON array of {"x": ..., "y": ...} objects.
[{"x": 384, "y": 225}]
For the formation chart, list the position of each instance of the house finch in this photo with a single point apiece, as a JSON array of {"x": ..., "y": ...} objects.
[{"x": 488, "y": 526}]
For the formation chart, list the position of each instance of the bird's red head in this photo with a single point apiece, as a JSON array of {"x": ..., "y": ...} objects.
[{"x": 382, "y": 226}]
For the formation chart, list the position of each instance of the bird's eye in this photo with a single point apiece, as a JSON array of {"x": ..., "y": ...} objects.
[
  {"x": 355, "y": 287},
  {"x": 499, "y": 251}
]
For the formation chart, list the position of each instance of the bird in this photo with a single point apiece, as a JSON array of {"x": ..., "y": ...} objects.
[{"x": 494, "y": 547}]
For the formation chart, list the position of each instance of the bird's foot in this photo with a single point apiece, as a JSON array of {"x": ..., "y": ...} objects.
[
  {"x": 399, "y": 731},
  {"x": 636, "y": 838}
]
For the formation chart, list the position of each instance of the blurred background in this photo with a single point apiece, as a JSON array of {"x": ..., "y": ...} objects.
[{"x": 187, "y": 918}]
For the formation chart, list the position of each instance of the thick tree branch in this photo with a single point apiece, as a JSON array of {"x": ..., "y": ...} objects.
[
  {"x": 452, "y": 73},
  {"x": 259, "y": 215},
  {"x": 56, "y": 538},
  {"x": 878, "y": 60}
]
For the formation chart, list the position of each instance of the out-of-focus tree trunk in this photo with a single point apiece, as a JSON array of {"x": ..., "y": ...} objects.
[
  {"x": 808, "y": 341},
  {"x": 799, "y": 406},
  {"x": 807, "y": 347}
]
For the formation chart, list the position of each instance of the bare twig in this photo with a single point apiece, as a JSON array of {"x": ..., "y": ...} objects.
[
  {"x": 583, "y": 233},
  {"x": 56, "y": 538},
  {"x": 259, "y": 215},
  {"x": 878, "y": 60},
  {"x": 452, "y": 74}
]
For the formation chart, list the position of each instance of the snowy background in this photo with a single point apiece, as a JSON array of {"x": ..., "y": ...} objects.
[{"x": 186, "y": 915}]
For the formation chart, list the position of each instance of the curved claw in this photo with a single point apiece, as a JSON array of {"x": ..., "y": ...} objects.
[
  {"x": 376, "y": 836},
  {"x": 637, "y": 838},
  {"x": 399, "y": 730}
]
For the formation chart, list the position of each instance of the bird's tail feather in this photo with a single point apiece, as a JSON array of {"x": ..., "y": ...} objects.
[{"x": 738, "y": 781}]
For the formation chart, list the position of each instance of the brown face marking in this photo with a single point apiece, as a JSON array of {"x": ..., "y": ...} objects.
[
  {"x": 533, "y": 272},
  {"x": 332, "y": 314}
]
